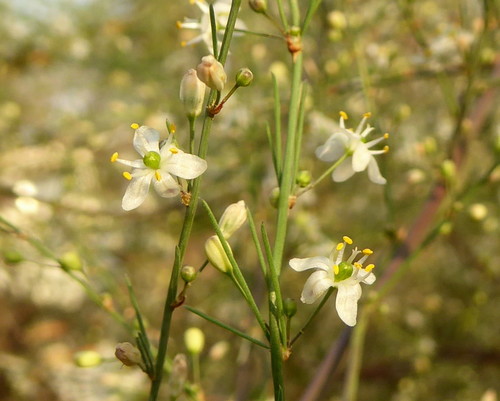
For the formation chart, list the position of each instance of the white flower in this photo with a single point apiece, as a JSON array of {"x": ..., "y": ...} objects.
[
  {"x": 334, "y": 272},
  {"x": 158, "y": 164},
  {"x": 221, "y": 9},
  {"x": 360, "y": 157}
]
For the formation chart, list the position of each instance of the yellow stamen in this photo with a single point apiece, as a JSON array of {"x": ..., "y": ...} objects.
[
  {"x": 370, "y": 267},
  {"x": 157, "y": 175},
  {"x": 178, "y": 24},
  {"x": 386, "y": 149},
  {"x": 386, "y": 135},
  {"x": 336, "y": 269},
  {"x": 357, "y": 265},
  {"x": 367, "y": 115},
  {"x": 183, "y": 43},
  {"x": 174, "y": 150},
  {"x": 114, "y": 157},
  {"x": 339, "y": 247},
  {"x": 347, "y": 240},
  {"x": 344, "y": 115},
  {"x": 134, "y": 125},
  {"x": 127, "y": 175},
  {"x": 367, "y": 251},
  {"x": 172, "y": 128}
]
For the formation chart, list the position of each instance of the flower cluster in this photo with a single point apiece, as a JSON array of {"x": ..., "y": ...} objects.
[
  {"x": 335, "y": 272},
  {"x": 355, "y": 144}
]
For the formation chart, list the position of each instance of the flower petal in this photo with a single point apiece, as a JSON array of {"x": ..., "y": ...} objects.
[
  {"x": 370, "y": 279},
  {"x": 333, "y": 148},
  {"x": 137, "y": 163},
  {"x": 316, "y": 285},
  {"x": 184, "y": 165},
  {"x": 167, "y": 187},
  {"x": 361, "y": 157},
  {"x": 146, "y": 139},
  {"x": 344, "y": 171},
  {"x": 347, "y": 303},
  {"x": 374, "y": 172},
  {"x": 137, "y": 190},
  {"x": 318, "y": 262}
]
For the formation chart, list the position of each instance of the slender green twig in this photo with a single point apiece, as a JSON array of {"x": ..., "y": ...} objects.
[{"x": 213, "y": 28}]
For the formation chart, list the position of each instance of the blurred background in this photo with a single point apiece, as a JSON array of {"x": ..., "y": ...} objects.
[{"x": 75, "y": 74}]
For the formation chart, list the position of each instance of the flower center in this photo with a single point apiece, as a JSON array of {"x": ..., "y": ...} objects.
[
  {"x": 152, "y": 160},
  {"x": 344, "y": 271}
]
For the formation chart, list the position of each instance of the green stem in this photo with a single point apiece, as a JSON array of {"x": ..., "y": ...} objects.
[
  {"x": 281, "y": 11},
  {"x": 276, "y": 358}
]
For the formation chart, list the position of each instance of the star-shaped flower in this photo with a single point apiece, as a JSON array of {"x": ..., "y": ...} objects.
[
  {"x": 221, "y": 9},
  {"x": 334, "y": 272},
  {"x": 360, "y": 156},
  {"x": 158, "y": 163}
]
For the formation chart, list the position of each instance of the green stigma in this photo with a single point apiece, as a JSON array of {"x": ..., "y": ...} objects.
[
  {"x": 152, "y": 160},
  {"x": 345, "y": 271}
]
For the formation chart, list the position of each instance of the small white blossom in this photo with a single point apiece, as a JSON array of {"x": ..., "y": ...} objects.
[
  {"x": 157, "y": 164},
  {"x": 221, "y": 9},
  {"x": 334, "y": 272},
  {"x": 360, "y": 156}
]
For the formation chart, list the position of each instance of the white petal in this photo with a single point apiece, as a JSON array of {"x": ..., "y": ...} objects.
[
  {"x": 137, "y": 190},
  {"x": 333, "y": 148},
  {"x": 316, "y": 285},
  {"x": 318, "y": 262},
  {"x": 347, "y": 303},
  {"x": 360, "y": 158},
  {"x": 374, "y": 172},
  {"x": 185, "y": 165},
  {"x": 344, "y": 171},
  {"x": 370, "y": 279},
  {"x": 167, "y": 187},
  {"x": 146, "y": 139}
]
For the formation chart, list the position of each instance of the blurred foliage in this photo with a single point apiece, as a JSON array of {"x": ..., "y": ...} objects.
[{"x": 76, "y": 74}]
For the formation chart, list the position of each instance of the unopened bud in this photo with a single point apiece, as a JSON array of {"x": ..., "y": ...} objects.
[
  {"x": 274, "y": 197},
  {"x": 192, "y": 93},
  {"x": 188, "y": 273},
  {"x": 216, "y": 255},
  {"x": 128, "y": 354},
  {"x": 449, "y": 169},
  {"x": 178, "y": 376},
  {"x": 303, "y": 178},
  {"x": 259, "y": 6},
  {"x": 87, "y": 359},
  {"x": 233, "y": 218},
  {"x": 211, "y": 73},
  {"x": 194, "y": 339},
  {"x": 12, "y": 257},
  {"x": 70, "y": 261},
  {"x": 289, "y": 307},
  {"x": 244, "y": 77}
]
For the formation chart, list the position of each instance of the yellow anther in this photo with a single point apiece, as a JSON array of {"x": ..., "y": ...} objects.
[
  {"x": 157, "y": 175},
  {"x": 183, "y": 43},
  {"x": 344, "y": 115},
  {"x": 347, "y": 239},
  {"x": 336, "y": 269},
  {"x": 114, "y": 157},
  {"x": 370, "y": 267},
  {"x": 386, "y": 135},
  {"x": 178, "y": 24},
  {"x": 386, "y": 148},
  {"x": 339, "y": 247},
  {"x": 367, "y": 251},
  {"x": 172, "y": 128},
  {"x": 357, "y": 265},
  {"x": 174, "y": 150},
  {"x": 367, "y": 115},
  {"x": 134, "y": 125},
  {"x": 127, "y": 175}
]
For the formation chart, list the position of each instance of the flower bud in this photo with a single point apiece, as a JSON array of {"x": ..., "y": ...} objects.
[
  {"x": 12, "y": 257},
  {"x": 303, "y": 178},
  {"x": 70, "y": 261},
  {"x": 87, "y": 359},
  {"x": 194, "y": 339},
  {"x": 178, "y": 376},
  {"x": 244, "y": 77},
  {"x": 289, "y": 307},
  {"x": 192, "y": 93},
  {"x": 274, "y": 197},
  {"x": 216, "y": 255},
  {"x": 211, "y": 73},
  {"x": 128, "y": 354},
  {"x": 233, "y": 218},
  {"x": 449, "y": 169},
  {"x": 259, "y": 6},
  {"x": 188, "y": 273}
]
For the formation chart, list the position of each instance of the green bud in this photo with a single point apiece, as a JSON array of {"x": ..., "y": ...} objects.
[
  {"x": 152, "y": 160},
  {"x": 289, "y": 307},
  {"x": 12, "y": 257},
  {"x": 274, "y": 197},
  {"x": 216, "y": 255},
  {"x": 87, "y": 359},
  {"x": 259, "y": 6},
  {"x": 128, "y": 354},
  {"x": 194, "y": 339},
  {"x": 244, "y": 77},
  {"x": 449, "y": 169},
  {"x": 188, "y": 273},
  {"x": 303, "y": 178},
  {"x": 70, "y": 261}
]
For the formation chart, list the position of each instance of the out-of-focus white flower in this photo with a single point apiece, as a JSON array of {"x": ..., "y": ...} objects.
[
  {"x": 221, "y": 9},
  {"x": 158, "y": 164},
  {"x": 360, "y": 156},
  {"x": 334, "y": 272}
]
